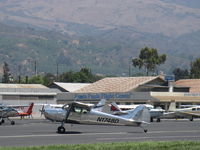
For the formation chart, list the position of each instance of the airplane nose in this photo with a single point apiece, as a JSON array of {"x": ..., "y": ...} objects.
[{"x": 55, "y": 114}]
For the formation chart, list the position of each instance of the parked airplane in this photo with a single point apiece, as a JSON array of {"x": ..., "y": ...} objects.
[
  {"x": 155, "y": 113},
  {"x": 7, "y": 111},
  {"x": 190, "y": 112},
  {"x": 80, "y": 113}
]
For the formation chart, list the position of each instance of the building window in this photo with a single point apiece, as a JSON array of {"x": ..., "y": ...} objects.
[{"x": 128, "y": 103}]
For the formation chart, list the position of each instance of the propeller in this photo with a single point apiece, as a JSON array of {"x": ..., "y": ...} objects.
[{"x": 42, "y": 111}]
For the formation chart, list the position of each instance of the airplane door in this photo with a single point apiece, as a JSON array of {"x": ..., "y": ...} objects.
[{"x": 75, "y": 114}]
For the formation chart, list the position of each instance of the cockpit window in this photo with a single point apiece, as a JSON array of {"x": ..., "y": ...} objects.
[
  {"x": 79, "y": 110},
  {"x": 193, "y": 109}
]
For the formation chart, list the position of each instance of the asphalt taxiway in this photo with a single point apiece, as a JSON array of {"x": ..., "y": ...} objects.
[{"x": 30, "y": 132}]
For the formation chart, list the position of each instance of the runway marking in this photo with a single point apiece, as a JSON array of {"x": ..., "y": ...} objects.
[
  {"x": 103, "y": 133},
  {"x": 45, "y": 135}
]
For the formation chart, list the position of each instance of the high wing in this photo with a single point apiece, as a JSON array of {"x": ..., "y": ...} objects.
[{"x": 190, "y": 112}]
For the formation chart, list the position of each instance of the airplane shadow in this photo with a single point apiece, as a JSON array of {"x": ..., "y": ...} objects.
[{"x": 71, "y": 132}]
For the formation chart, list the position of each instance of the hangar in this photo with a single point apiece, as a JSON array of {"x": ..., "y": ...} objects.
[{"x": 24, "y": 94}]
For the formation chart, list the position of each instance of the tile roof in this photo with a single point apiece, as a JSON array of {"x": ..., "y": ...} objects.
[
  {"x": 116, "y": 84},
  {"x": 194, "y": 84}
]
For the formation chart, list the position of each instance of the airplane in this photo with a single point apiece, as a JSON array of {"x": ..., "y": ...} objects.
[
  {"x": 7, "y": 111},
  {"x": 27, "y": 111},
  {"x": 80, "y": 113},
  {"x": 190, "y": 112},
  {"x": 156, "y": 113}
]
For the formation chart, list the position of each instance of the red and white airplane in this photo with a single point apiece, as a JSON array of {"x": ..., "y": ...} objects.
[
  {"x": 26, "y": 111},
  {"x": 14, "y": 111}
]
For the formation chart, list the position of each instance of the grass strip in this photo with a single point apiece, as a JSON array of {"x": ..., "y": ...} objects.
[{"x": 175, "y": 145}]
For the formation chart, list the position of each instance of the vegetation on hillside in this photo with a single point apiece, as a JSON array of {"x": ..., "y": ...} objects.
[{"x": 28, "y": 51}]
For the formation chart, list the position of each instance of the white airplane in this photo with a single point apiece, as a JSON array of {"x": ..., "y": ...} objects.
[
  {"x": 190, "y": 112},
  {"x": 80, "y": 113},
  {"x": 155, "y": 113}
]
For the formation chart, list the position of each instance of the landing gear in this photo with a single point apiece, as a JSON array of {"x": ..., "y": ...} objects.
[
  {"x": 145, "y": 130},
  {"x": 158, "y": 120},
  {"x": 1, "y": 121},
  {"x": 151, "y": 119},
  {"x": 191, "y": 119},
  {"x": 12, "y": 122},
  {"x": 61, "y": 129}
]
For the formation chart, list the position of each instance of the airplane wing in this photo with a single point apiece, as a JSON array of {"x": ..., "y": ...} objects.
[{"x": 188, "y": 114}]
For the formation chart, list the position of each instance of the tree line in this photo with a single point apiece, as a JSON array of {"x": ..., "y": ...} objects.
[
  {"x": 148, "y": 61},
  {"x": 85, "y": 75}
]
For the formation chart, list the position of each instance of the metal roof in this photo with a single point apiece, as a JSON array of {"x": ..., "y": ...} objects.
[
  {"x": 71, "y": 87},
  {"x": 117, "y": 84},
  {"x": 8, "y": 85}
]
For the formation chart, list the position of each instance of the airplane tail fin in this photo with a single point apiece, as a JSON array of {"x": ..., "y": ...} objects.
[
  {"x": 115, "y": 107},
  {"x": 102, "y": 102},
  {"x": 172, "y": 106},
  {"x": 101, "y": 106},
  {"x": 30, "y": 108},
  {"x": 140, "y": 113}
]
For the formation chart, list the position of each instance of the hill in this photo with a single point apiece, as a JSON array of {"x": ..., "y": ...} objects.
[{"x": 100, "y": 34}]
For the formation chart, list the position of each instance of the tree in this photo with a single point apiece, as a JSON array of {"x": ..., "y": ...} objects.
[
  {"x": 195, "y": 69},
  {"x": 7, "y": 78},
  {"x": 149, "y": 59},
  {"x": 181, "y": 74},
  {"x": 36, "y": 80},
  {"x": 83, "y": 76}
]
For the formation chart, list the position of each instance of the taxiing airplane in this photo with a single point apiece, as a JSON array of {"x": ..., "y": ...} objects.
[
  {"x": 190, "y": 112},
  {"x": 7, "y": 111},
  {"x": 80, "y": 113}
]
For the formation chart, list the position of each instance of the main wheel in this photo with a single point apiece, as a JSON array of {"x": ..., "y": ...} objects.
[
  {"x": 61, "y": 129},
  {"x": 151, "y": 119},
  {"x": 12, "y": 122},
  {"x": 145, "y": 130},
  {"x": 158, "y": 119},
  {"x": 2, "y": 121}
]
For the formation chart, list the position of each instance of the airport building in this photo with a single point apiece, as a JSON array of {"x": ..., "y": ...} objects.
[
  {"x": 24, "y": 94},
  {"x": 155, "y": 90}
]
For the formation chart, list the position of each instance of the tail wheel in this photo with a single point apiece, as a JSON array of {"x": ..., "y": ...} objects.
[
  {"x": 61, "y": 129},
  {"x": 191, "y": 119},
  {"x": 145, "y": 130},
  {"x": 12, "y": 122}
]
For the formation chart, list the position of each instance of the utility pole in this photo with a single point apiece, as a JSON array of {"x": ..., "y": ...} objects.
[
  {"x": 19, "y": 70},
  {"x": 57, "y": 73},
  {"x": 35, "y": 68}
]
